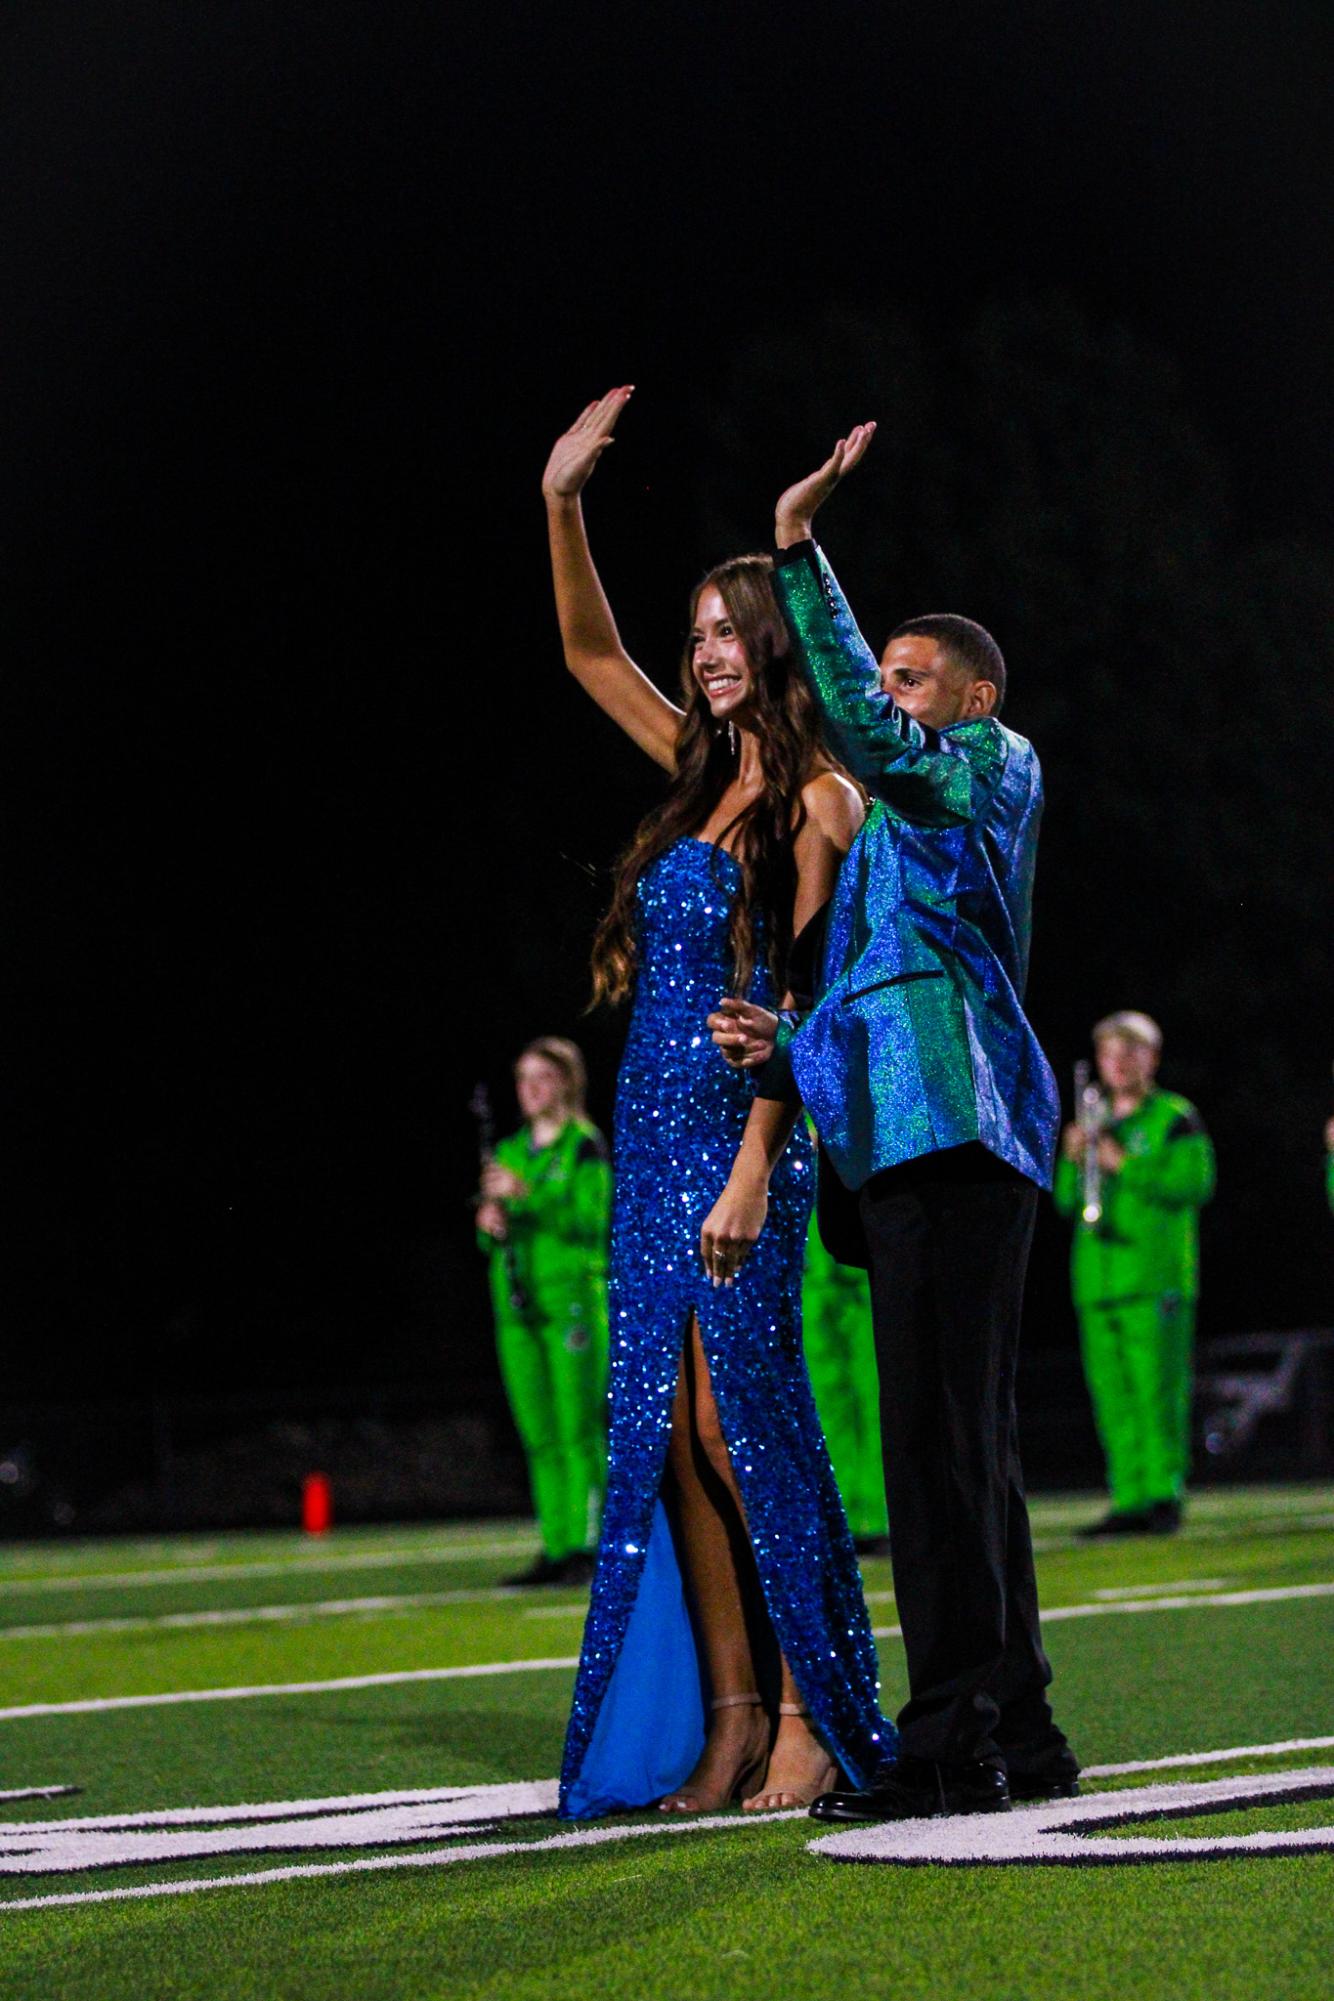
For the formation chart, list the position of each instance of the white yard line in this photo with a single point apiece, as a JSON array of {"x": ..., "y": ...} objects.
[
  {"x": 241, "y": 1615},
  {"x": 1268, "y": 1515},
  {"x": 1186, "y": 1601},
  {"x": 1223, "y": 1530},
  {"x": 1179, "y": 1603},
  {"x": 1209, "y": 1757},
  {"x": 1119, "y": 1591},
  {"x": 1182, "y": 1602},
  {"x": 1247, "y": 1502},
  {"x": 92, "y": 1705},
  {"x": 407, "y": 1601},
  {"x": 296, "y": 1566},
  {"x": 1168, "y": 1584}
]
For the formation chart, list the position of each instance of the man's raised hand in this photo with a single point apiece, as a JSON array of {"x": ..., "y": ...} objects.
[
  {"x": 577, "y": 451},
  {"x": 797, "y": 507},
  {"x": 746, "y": 1034}
]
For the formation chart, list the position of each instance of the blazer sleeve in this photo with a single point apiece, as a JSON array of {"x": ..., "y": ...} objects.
[
  {"x": 775, "y": 1078},
  {"x": 940, "y": 778}
]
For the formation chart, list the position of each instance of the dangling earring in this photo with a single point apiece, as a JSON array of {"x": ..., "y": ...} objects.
[{"x": 731, "y": 738}]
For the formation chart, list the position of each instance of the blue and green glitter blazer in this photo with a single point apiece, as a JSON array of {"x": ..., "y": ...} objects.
[{"x": 918, "y": 1039}]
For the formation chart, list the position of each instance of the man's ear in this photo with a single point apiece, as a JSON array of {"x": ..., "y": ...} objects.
[{"x": 981, "y": 700}]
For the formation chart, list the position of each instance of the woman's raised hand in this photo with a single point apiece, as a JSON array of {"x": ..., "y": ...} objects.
[
  {"x": 577, "y": 451},
  {"x": 797, "y": 507}
]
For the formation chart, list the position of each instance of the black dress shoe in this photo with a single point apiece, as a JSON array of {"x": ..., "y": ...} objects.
[
  {"x": 918, "y": 1789},
  {"x": 1054, "y": 1779},
  {"x": 871, "y": 1545},
  {"x": 1130, "y": 1521},
  {"x": 1164, "y": 1518},
  {"x": 540, "y": 1572},
  {"x": 577, "y": 1568}
]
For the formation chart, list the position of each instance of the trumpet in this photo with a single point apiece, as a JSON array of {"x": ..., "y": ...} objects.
[{"x": 1089, "y": 1110}]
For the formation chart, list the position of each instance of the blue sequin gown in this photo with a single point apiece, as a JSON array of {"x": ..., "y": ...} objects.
[{"x": 640, "y": 1705}]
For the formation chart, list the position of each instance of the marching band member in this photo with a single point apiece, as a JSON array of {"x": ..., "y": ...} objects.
[
  {"x": 1136, "y": 1270},
  {"x": 543, "y": 1220}
]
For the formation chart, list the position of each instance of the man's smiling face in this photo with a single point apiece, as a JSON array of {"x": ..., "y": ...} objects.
[{"x": 923, "y": 681}]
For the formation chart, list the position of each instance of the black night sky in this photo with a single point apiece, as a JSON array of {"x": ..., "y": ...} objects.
[{"x": 307, "y": 829}]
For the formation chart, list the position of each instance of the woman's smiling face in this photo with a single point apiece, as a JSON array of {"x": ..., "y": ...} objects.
[{"x": 718, "y": 657}]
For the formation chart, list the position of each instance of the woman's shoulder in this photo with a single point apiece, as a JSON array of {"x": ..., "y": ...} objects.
[{"x": 835, "y": 805}]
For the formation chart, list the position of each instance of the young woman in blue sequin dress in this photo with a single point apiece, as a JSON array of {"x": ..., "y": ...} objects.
[{"x": 727, "y": 1651}]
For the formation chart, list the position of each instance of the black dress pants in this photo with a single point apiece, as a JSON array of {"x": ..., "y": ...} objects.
[{"x": 948, "y": 1239}]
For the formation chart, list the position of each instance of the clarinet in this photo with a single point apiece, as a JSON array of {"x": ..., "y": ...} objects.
[
  {"x": 480, "y": 1107},
  {"x": 1088, "y": 1104}
]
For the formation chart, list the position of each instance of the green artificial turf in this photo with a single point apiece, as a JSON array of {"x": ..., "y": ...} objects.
[
  {"x": 738, "y": 1911},
  {"x": 750, "y": 1915}
]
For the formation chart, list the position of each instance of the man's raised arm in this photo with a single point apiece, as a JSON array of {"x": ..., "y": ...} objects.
[{"x": 925, "y": 777}]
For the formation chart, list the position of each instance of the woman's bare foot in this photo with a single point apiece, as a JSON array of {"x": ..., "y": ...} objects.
[
  {"x": 732, "y": 1759},
  {"x": 800, "y": 1768}
]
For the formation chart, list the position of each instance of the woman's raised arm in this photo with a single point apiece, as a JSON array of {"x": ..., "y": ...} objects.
[{"x": 593, "y": 650}]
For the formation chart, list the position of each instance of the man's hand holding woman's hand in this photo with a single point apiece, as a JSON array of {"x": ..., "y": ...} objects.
[
  {"x": 746, "y": 1034},
  {"x": 797, "y": 508}
]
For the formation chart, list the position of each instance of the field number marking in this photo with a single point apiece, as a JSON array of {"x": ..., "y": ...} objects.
[
  {"x": 1062, "y": 1833},
  {"x": 370, "y": 1820},
  {"x": 1065, "y": 1833}
]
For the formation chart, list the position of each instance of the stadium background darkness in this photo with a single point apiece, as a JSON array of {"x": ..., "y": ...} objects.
[{"x": 302, "y": 809}]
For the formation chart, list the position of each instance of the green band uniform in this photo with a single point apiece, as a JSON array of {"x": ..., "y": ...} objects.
[
  {"x": 549, "y": 1292},
  {"x": 1135, "y": 1283},
  {"x": 840, "y": 1358}
]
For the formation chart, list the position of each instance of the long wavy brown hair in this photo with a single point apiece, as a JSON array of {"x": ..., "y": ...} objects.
[{"x": 762, "y": 836}]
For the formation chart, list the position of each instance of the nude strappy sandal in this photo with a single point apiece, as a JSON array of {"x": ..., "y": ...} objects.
[
  {"x": 792, "y": 1796},
  {"x": 746, "y": 1777}
]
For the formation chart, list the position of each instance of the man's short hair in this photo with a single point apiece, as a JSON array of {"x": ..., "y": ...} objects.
[{"x": 965, "y": 644}]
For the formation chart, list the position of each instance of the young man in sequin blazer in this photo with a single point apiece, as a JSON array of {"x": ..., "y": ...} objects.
[{"x": 939, "y": 1111}]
